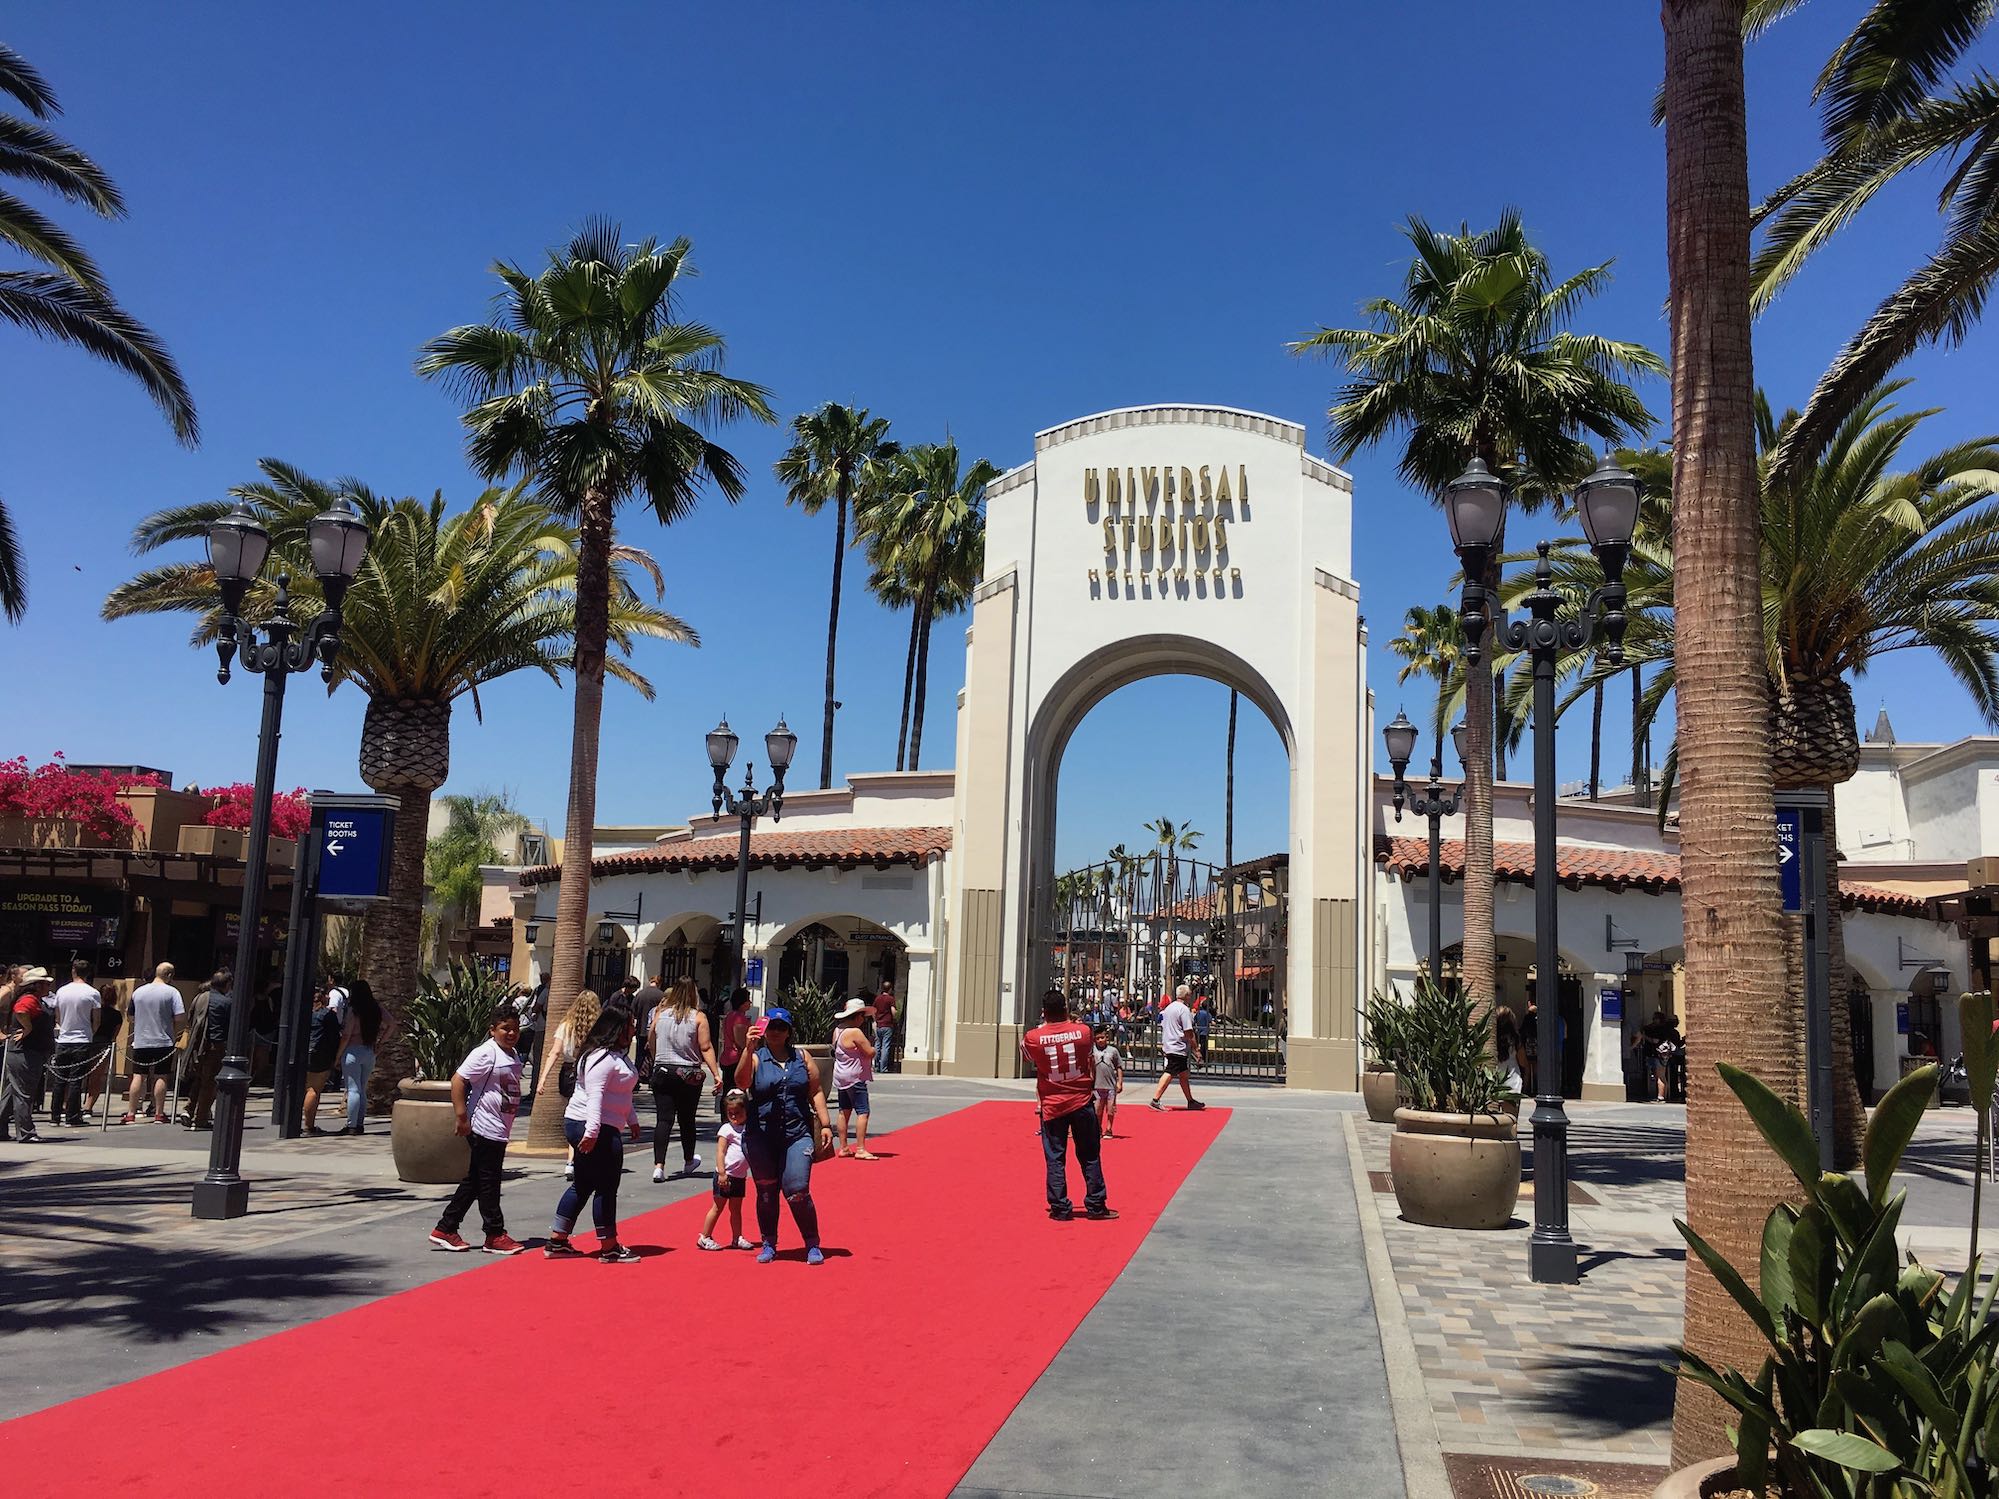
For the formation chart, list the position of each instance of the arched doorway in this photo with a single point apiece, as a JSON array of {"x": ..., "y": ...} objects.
[
  {"x": 1196, "y": 540},
  {"x": 608, "y": 958},
  {"x": 840, "y": 954}
]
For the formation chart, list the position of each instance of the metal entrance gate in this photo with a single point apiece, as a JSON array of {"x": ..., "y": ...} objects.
[{"x": 1118, "y": 937}]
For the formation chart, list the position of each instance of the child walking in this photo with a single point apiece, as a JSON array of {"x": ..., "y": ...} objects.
[
  {"x": 1109, "y": 1079},
  {"x": 731, "y": 1175},
  {"x": 485, "y": 1094}
]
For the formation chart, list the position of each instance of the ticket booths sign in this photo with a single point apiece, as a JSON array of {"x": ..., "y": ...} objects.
[{"x": 40, "y": 918}]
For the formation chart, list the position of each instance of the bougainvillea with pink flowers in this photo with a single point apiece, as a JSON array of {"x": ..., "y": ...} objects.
[
  {"x": 55, "y": 793},
  {"x": 290, "y": 816}
]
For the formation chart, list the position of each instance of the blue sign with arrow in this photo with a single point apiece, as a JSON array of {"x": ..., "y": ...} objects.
[
  {"x": 1790, "y": 856},
  {"x": 354, "y": 852}
]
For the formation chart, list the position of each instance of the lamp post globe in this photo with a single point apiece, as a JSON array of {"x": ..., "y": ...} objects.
[
  {"x": 1607, "y": 503},
  {"x": 237, "y": 547},
  {"x": 1400, "y": 738},
  {"x": 722, "y": 742},
  {"x": 1475, "y": 508},
  {"x": 779, "y": 746},
  {"x": 1458, "y": 740},
  {"x": 338, "y": 538}
]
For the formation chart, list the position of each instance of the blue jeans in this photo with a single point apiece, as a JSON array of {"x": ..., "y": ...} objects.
[
  {"x": 884, "y": 1047},
  {"x": 1081, "y": 1126},
  {"x": 355, "y": 1065},
  {"x": 598, "y": 1170},
  {"x": 783, "y": 1166}
]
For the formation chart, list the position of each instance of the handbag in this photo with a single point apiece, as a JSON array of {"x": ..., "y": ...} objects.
[{"x": 565, "y": 1079}]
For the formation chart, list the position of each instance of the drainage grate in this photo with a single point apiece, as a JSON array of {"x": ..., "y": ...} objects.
[{"x": 1486, "y": 1477}]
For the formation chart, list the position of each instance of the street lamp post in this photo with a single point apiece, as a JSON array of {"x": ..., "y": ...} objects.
[
  {"x": 237, "y": 548},
  {"x": 1475, "y": 505},
  {"x": 747, "y": 805},
  {"x": 1433, "y": 803}
]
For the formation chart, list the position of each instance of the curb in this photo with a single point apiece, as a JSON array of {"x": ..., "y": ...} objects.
[{"x": 1423, "y": 1475}]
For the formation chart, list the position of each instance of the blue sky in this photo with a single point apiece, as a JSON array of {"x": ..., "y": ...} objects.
[{"x": 980, "y": 219}]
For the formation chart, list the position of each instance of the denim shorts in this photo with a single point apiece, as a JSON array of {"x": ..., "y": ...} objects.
[{"x": 855, "y": 1098}]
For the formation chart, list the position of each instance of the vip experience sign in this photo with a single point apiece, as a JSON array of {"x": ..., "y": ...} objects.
[{"x": 1165, "y": 529}]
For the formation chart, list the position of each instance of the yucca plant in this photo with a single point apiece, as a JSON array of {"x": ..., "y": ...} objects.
[
  {"x": 1443, "y": 1056},
  {"x": 1381, "y": 1031},
  {"x": 1880, "y": 1377},
  {"x": 446, "y": 1020},
  {"x": 812, "y": 1007}
]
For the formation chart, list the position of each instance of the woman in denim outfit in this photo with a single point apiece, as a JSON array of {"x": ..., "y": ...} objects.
[{"x": 787, "y": 1099}]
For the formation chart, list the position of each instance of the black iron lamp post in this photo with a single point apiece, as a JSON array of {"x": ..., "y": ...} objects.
[
  {"x": 748, "y": 805},
  {"x": 1475, "y": 504},
  {"x": 237, "y": 548},
  {"x": 1434, "y": 803}
]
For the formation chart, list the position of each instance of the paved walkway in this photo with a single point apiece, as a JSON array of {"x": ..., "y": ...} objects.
[{"x": 1236, "y": 1355}]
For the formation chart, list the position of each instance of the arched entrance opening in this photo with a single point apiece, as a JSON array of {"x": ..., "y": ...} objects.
[
  {"x": 608, "y": 959},
  {"x": 1518, "y": 986},
  {"x": 841, "y": 955},
  {"x": 1139, "y": 894}
]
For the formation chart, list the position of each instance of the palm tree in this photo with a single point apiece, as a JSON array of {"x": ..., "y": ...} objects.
[
  {"x": 926, "y": 528},
  {"x": 1432, "y": 645},
  {"x": 470, "y": 839},
  {"x": 894, "y": 591},
  {"x": 1171, "y": 840},
  {"x": 589, "y": 385},
  {"x": 1734, "y": 943},
  {"x": 69, "y": 302},
  {"x": 833, "y": 450},
  {"x": 1888, "y": 108},
  {"x": 444, "y": 603},
  {"x": 1478, "y": 360}
]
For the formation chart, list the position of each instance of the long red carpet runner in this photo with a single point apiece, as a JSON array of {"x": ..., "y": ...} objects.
[{"x": 946, "y": 1293}]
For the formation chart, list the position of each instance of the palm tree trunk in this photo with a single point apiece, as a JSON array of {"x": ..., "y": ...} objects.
[
  {"x": 1228, "y": 863},
  {"x": 1595, "y": 741},
  {"x": 1641, "y": 773},
  {"x": 1733, "y": 938},
  {"x": 833, "y": 632},
  {"x": 1478, "y": 964},
  {"x": 1849, "y": 1113},
  {"x": 572, "y": 900},
  {"x": 405, "y": 753},
  {"x": 926, "y": 606},
  {"x": 908, "y": 688}
]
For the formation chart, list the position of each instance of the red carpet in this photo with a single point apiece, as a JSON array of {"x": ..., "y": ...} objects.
[{"x": 947, "y": 1291}]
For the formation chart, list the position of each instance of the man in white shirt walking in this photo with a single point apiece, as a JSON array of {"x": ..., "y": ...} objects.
[
  {"x": 158, "y": 1017},
  {"x": 77, "y": 1004},
  {"x": 1176, "y": 1023}
]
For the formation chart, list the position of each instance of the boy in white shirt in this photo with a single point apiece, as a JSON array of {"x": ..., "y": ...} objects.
[
  {"x": 731, "y": 1176},
  {"x": 485, "y": 1093}
]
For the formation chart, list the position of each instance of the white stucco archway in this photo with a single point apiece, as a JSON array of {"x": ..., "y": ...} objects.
[{"x": 1139, "y": 543}]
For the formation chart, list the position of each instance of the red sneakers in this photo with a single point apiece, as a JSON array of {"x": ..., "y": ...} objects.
[
  {"x": 451, "y": 1243},
  {"x": 501, "y": 1244}
]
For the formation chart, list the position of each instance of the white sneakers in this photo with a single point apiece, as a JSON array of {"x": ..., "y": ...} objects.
[
  {"x": 659, "y": 1173},
  {"x": 704, "y": 1242}
]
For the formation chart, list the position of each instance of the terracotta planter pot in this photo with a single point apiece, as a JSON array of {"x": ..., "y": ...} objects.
[
  {"x": 823, "y": 1055},
  {"x": 423, "y": 1134},
  {"x": 1711, "y": 1477},
  {"x": 1455, "y": 1171},
  {"x": 1377, "y": 1089}
]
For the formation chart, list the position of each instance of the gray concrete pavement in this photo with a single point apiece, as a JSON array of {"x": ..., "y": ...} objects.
[{"x": 1238, "y": 1353}]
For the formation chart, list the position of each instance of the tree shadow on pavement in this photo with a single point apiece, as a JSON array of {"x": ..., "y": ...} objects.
[
  {"x": 1607, "y": 1391},
  {"x": 163, "y": 1295}
]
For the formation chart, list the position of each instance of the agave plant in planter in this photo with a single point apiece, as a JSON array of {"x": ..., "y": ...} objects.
[
  {"x": 1381, "y": 1038},
  {"x": 1881, "y": 1377},
  {"x": 444, "y": 1021},
  {"x": 1455, "y": 1157},
  {"x": 812, "y": 1009}
]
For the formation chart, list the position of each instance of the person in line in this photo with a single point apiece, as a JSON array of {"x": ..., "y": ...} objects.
[
  {"x": 735, "y": 1032},
  {"x": 1059, "y": 1050},
  {"x": 854, "y": 1053},
  {"x": 787, "y": 1099},
  {"x": 885, "y": 1028},
  {"x": 1204, "y": 1023},
  {"x": 158, "y": 1018},
  {"x": 564, "y": 1047},
  {"x": 732, "y": 1171},
  {"x": 1109, "y": 1063},
  {"x": 598, "y": 1110},
  {"x": 103, "y": 1044},
  {"x": 1175, "y": 1021},
  {"x": 322, "y": 1053},
  {"x": 77, "y": 1004},
  {"x": 31, "y": 1040},
  {"x": 209, "y": 1040},
  {"x": 485, "y": 1095},
  {"x": 682, "y": 1059},
  {"x": 534, "y": 1031},
  {"x": 357, "y": 1053}
]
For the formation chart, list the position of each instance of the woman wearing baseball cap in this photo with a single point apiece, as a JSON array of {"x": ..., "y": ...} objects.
[{"x": 788, "y": 1127}]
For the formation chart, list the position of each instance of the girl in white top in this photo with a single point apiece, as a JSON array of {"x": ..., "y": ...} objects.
[
  {"x": 732, "y": 1176},
  {"x": 599, "y": 1108}
]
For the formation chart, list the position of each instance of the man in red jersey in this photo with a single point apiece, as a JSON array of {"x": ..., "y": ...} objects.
[{"x": 1060, "y": 1052}]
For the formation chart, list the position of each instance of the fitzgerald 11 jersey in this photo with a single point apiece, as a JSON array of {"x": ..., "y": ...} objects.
[{"x": 1062, "y": 1053}]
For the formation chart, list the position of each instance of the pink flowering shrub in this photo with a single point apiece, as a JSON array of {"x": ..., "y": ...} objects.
[
  {"x": 53, "y": 793},
  {"x": 290, "y": 815}
]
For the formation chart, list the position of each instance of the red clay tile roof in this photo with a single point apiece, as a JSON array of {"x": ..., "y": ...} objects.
[
  {"x": 1193, "y": 908},
  {"x": 813, "y": 848},
  {"x": 1613, "y": 868}
]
